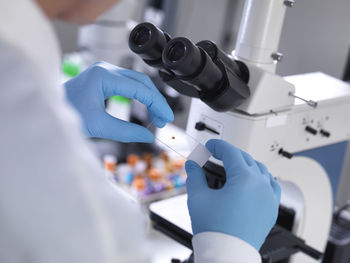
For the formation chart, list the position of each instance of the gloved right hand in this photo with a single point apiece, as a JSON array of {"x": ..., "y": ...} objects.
[{"x": 246, "y": 207}]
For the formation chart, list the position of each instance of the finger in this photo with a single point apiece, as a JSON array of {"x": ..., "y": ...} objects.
[
  {"x": 145, "y": 80},
  {"x": 196, "y": 180},
  {"x": 262, "y": 168},
  {"x": 230, "y": 155},
  {"x": 248, "y": 158},
  {"x": 276, "y": 187},
  {"x": 126, "y": 87},
  {"x": 138, "y": 76},
  {"x": 115, "y": 129},
  {"x": 160, "y": 123}
]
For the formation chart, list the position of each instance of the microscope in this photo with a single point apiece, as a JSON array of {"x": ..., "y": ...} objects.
[{"x": 288, "y": 123}]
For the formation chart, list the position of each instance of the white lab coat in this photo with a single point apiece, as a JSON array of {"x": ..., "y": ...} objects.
[{"x": 55, "y": 203}]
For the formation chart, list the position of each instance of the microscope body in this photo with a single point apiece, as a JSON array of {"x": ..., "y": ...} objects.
[
  {"x": 241, "y": 100},
  {"x": 272, "y": 126}
]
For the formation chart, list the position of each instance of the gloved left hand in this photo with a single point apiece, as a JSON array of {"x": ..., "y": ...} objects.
[{"x": 88, "y": 91}]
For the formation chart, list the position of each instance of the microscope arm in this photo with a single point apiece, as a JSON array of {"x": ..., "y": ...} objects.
[
  {"x": 257, "y": 46},
  {"x": 260, "y": 32}
]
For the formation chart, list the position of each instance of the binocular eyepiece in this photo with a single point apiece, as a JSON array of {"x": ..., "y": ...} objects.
[
  {"x": 192, "y": 64},
  {"x": 148, "y": 42},
  {"x": 200, "y": 70}
]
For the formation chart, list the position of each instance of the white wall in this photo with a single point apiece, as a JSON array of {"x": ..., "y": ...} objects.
[{"x": 316, "y": 37}]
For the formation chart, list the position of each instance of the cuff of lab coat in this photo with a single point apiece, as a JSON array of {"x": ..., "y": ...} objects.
[{"x": 217, "y": 247}]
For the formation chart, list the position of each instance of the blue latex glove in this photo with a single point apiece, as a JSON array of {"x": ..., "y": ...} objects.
[
  {"x": 88, "y": 91},
  {"x": 247, "y": 205}
]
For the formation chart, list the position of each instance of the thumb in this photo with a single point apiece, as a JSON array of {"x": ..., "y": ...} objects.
[{"x": 196, "y": 180}]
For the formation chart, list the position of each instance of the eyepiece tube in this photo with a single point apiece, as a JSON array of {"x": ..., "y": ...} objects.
[
  {"x": 147, "y": 41},
  {"x": 142, "y": 36},
  {"x": 176, "y": 51},
  {"x": 191, "y": 63},
  {"x": 182, "y": 56}
]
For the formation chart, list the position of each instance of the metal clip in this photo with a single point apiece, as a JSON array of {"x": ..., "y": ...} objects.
[
  {"x": 277, "y": 56},
  {"x": 289, "y": 3}
]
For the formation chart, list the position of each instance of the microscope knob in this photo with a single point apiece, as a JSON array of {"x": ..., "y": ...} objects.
[
  {"x": 325, "y": 133},
  {"x": 201, "y": 126},
  {"x": 285, "y": 153},
  {"x": 311, "y": 130}
]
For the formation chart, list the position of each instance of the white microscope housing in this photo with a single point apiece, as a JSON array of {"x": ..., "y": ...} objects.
[{"x": 271, "y": 124}]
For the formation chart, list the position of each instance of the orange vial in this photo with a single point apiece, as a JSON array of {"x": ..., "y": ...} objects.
[
  {"x": 132, "y": 159},
  {"x": 154, "y": 174},
  {"x": 139, "y": 183}
]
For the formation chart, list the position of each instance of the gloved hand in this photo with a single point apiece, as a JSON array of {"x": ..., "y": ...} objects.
[
  {"x": 88, "y": 91},
  {"x": 246, "y": 207}
]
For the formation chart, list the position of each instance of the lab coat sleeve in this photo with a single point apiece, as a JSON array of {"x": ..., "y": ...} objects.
[
  {"x": 214, "y": 247},
  {"x": 55, "y": 203}
]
